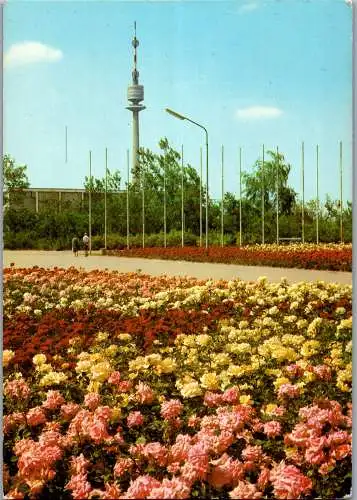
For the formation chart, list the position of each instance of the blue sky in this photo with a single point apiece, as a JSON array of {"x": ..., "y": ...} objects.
[{"x": 253, "y": 72}]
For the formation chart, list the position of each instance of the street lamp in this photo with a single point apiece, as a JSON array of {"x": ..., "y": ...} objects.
[{"x": 181, "y": 117}]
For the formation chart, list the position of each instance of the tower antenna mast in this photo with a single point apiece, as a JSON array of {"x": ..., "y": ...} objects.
[{"x": 135, "y": 96}]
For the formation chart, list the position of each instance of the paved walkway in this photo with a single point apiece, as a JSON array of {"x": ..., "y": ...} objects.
[{"x": 156, "y": 267}]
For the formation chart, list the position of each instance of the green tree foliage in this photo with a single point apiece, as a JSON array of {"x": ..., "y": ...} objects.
[
  {"x": 14, "y": 178},
  {"x": 161, "y": 175},
  {"x": 270, "y": 179}
]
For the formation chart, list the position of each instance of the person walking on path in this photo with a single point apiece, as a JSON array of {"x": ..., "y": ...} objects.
[
  {"x": 75, "y": 246},
  {"x": 86, "y": 244}
]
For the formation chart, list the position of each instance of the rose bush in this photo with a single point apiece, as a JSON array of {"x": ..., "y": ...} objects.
[
  {"x": 126, "y": 386},
  {"x": 336, "y": 257}
]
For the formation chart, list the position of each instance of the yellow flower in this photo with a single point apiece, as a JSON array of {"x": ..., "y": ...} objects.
[
  {"x": 116, "y": 414},
  {"x": 139, "y": 363},
  {"x": 101, "y": 371},
  {"x": 39, "y": 359},
  {"x": 83, "y": 366},
  {"x": 209, "y": 381},
  {"x": 309, "y": 376},
  {"x": 270, "y": 408},
  {"x": 245, "y": 399},
  {"x": 154, "y": 359},
  {"x": 124, "y": 337},
  {"x": 53, "y": 378},
  {"x": 101, "y": 336},
  {"x": 94, "y": 386},
  {"x": 7, "y": 356},
  {"x": 191, "y": 390},
  {"x": 112, "y": 350},
  {"x": 309, "y": 348},
  {"x": 280, "y": 381},
  {"x": 43, "y": 368},
  {"x": 203, "y": 339},
  {"x": 189, "y": 341},
  {"x": 167, "y": 365}
]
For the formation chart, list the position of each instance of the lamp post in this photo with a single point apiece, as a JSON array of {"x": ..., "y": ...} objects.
[{"x": 181, "y": 117}]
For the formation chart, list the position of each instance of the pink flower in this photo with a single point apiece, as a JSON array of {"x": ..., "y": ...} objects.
[
  {"x": 79, "y": 465},
  {"x": 53, "y": 401},
  {"x": 111, "y": 491},
  {"x": 294, "y": 370},
  {"x": 125, "y": 386},
  {"x": 323, "y": 372},
  {"x": 135, "y": 419},
  {"x": 97, "y": 430},
  {"x": 156, "y": 452},
  {"x": 114, "y": 378},
  {"x": 35, "y": 416},
  {"x": 252, "y": 453},
  {"x": 342, "y": 451},
  {"x": 272, "y": 428},
  {"x": 245, "y": 491},
  {"x": 69, "y": 410},
  {"x": 288, "y": 391},
  {"x": 179, "y": 450},
  {"x": 193, "y": 421},
  {"x": 92, "y": 400},
  {"x": 225, "y": 471},
  {"x": 171, "y": 409},
  {"x": 171, "y": 488},
  {"x": 122, "y": 465},
  {"x": 212, "y": 399},
  {"x": 50, "y": 438},
  {"x": 79, "y": 486},
  {"x": 144, "y": 393},
  {"x": 231, "y": 395},
  {"x": 103, "y": 413},
  {"x": 263, "y": 478},
  {"x": 17, "y": 389},
  {"x": 141, "y": 487},
  {"x": 289, "y": 482}
]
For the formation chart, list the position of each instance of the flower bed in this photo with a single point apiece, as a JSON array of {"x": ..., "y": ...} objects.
[
  {"x": 127, "y": 386},
  {"x": 307, "y": 256}
]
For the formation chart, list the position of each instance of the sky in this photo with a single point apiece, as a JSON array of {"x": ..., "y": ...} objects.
[{"x": 253, "y": 72}]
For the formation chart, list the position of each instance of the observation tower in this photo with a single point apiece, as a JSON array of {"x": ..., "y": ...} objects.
[{"x": 135, "y": 96}]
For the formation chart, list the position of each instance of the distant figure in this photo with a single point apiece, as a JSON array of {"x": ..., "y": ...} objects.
[
  {"x": 86, "y": 244},
  {"x": 75, "y": 245}
]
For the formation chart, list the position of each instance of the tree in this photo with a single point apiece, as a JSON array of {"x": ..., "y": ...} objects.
[
  {"x": 265, "y": 179},
  {"x": 14, "y": 178}
]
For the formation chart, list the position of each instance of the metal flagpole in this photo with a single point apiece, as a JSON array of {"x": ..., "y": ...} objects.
[
  {"x": 303, "y": 193},
  {"x": 341, "y": 204},
  {"x": 90, "y": 203},
  {"x": 143, "y": 202},
  {"x": 66, "y": 143},
  {"x": 317, "y": 194},
  {"x": 200, "y": 196},
  {"x": 182, "y": 211},
  {"x": 277, "y": 196},
  {"x": 222, "y": 197},
  {"x": 240, "y": 197},
  {"x": 165, "y": 228},
  {"x": 263, "y": 202},
  {"x": 105, "y": 198},
  {"x": 127, "y": 199}
]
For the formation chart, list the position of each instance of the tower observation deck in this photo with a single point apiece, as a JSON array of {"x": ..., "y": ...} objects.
[{"x": 135, "y": 96}]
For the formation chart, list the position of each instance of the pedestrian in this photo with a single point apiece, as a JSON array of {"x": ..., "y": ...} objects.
[
  {"x": 75, "y": 246},
  {"x": 86, "y": 244}
]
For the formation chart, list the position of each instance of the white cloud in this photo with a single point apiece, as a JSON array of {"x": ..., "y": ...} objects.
[
  {"x": 23, "y": 53},
  {"x": 258, "y": 112},
  {"x": 248, "y": 7}
]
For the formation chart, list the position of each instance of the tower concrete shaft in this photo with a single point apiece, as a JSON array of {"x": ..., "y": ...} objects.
[{"x": 135, "y": 96}]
